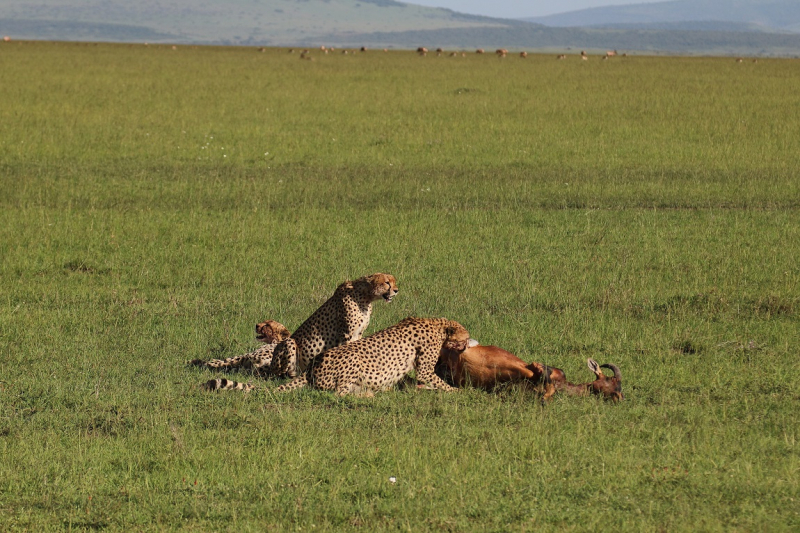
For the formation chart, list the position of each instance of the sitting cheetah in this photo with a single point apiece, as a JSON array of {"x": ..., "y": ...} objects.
[
  {"x": 341, "y": 319},
  {"x": 270, "y": 333},
  {"x": 380, "y": 361}
]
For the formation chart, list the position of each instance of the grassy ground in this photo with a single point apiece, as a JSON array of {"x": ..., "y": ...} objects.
[{"x": 156, "y": 203}]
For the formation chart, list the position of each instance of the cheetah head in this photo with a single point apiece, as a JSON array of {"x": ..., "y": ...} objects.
[
  {"x": 383, "y": 286},
  {"x": 457, "y": 338},
  {"x": 271, "y": 332}
]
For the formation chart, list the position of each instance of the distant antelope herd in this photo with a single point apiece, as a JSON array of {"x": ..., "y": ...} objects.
[{"x": 423, "y": 51}]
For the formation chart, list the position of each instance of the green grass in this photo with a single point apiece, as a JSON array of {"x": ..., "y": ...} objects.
[{"x": 640, "y": 211}]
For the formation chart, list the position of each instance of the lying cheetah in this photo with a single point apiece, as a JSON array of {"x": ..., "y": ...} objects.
[
  {"x": 341, "y": 319},
  {"x": 270, "y": 333},
  {"x": 380, "y": 361}
]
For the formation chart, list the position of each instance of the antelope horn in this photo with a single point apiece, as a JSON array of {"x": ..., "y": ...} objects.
[{"x": 615, "y": 369}]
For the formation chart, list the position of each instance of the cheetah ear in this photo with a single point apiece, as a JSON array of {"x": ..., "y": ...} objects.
[{"x": 452, "y": 329}]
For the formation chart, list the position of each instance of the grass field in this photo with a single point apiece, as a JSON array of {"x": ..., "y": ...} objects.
[{"x": 156, "y": 203}]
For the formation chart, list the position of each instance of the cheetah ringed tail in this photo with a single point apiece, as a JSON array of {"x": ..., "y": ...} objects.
[{"x": 226, "y": 384}]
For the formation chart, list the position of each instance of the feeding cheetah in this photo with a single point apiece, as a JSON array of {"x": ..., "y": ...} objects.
[
  {"x": 380, "y": 361},
  {"x": 341, "y": 319}
]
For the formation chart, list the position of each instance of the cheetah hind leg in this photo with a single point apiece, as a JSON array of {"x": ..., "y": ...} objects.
[
  {"x": 248, "y": 361},
  {"x": 297, "y": 383},
  {"x": 231, "y": 363}
]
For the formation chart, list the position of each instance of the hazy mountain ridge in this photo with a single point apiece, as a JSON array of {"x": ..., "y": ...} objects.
[
  {"x": 232, "y": 21},
  {"x": 597, "y": 40},
  {"x": 56, "y": 30},
  {"x": 700, "y": 25},
  {"x": 767, "y": 15},
  {"x": 374, "y": 23}
]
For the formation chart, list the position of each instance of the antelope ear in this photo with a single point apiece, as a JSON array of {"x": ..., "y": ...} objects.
[
  {"x": 472, "y": 343},
  {"x": 593, "y": 366}
]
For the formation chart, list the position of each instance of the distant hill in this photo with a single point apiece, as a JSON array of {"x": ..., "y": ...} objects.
[
  {"x": 387, "y": 23},
  {"x": 716, "y": 15},
  {"x": 262, "y": 22},
  {"x": 719, "y": 43}
]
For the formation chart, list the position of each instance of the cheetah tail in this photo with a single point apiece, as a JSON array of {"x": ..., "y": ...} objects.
[{"x": 226, "y": 384}]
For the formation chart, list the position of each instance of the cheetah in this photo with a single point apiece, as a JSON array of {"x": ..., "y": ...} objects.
[
  {"x": 269, "y": 332},
  {"x": 340, "y": 320},
  {"x": 380, "y": 361}
]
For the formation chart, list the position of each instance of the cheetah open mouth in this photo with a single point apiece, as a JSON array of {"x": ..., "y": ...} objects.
[
  {"x": 388, "y": 296},
  {"x": 263, "y": 338}
]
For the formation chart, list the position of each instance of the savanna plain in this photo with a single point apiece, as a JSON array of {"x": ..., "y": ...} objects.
[{"x": 156, "y": 203}]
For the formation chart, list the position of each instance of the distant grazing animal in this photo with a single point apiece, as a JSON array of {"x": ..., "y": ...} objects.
[
  {"x": 341, "y": 319},
  {"x": 523, "y": 54},
  {"x": 561, "y": 56},
  {"x": 501, "y": 52},
  {"x": 479, "y": 51},
  {"x": 380, "y": 361}
]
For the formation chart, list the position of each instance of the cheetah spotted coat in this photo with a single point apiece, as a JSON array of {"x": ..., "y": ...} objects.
[
  {"x": 340, "y": 320},
  {"x": 380, "y": 361}
]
